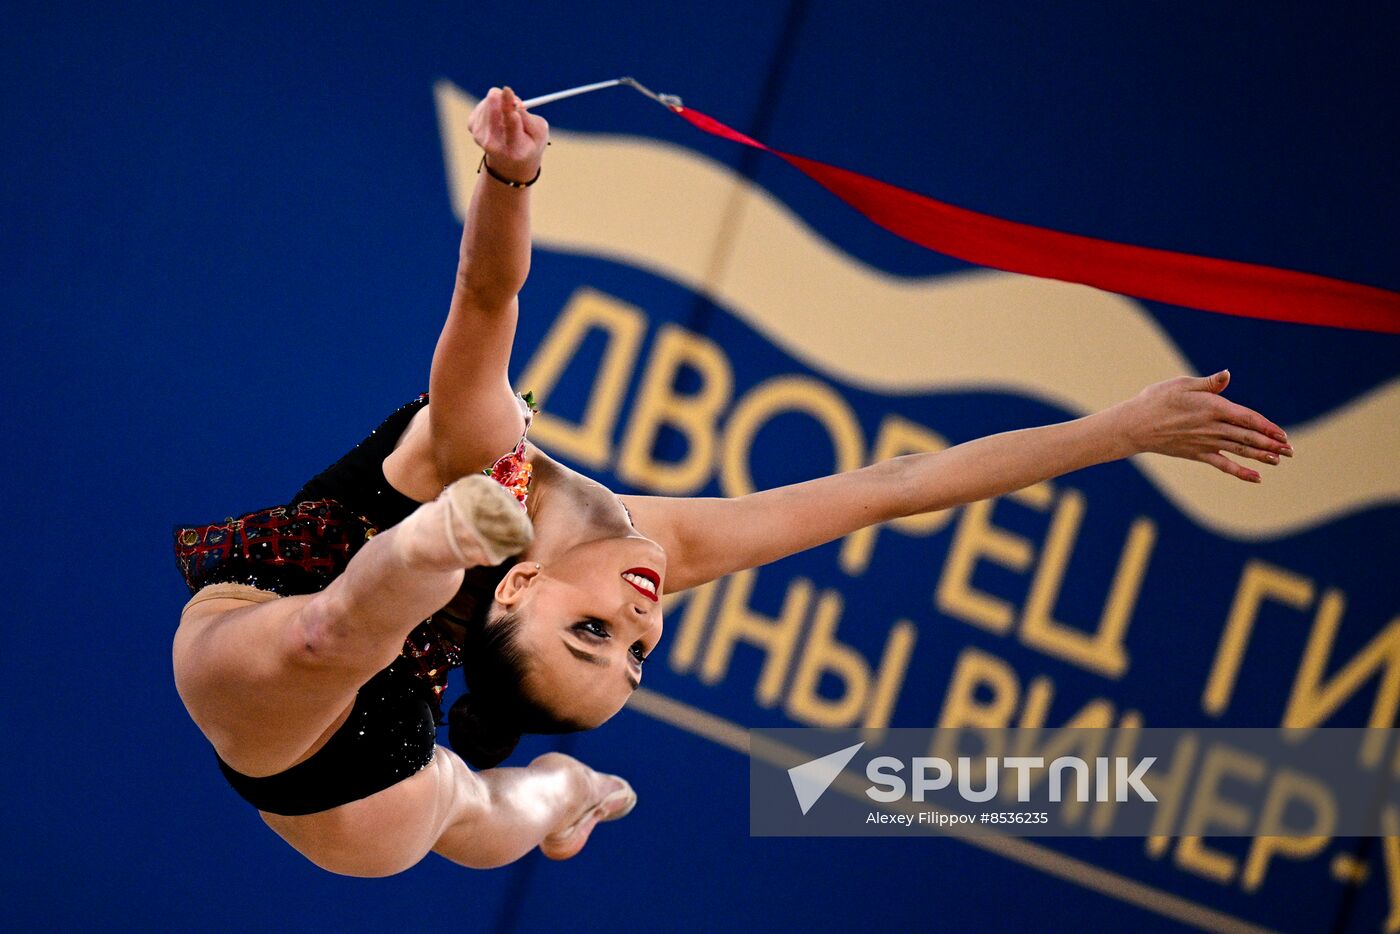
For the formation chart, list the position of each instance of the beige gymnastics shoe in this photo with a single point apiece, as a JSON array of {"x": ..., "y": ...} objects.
[{"x": 485, "y": 523}]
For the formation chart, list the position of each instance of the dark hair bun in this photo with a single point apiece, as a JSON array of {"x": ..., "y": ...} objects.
[{"x": 481, "y": 735}]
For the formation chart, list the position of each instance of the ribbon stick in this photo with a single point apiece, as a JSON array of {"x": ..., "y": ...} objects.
[
  {"x": 1219, "y": 285},
  {"x": 666, "y": 100},
  {"x": 571, "y": 92}
]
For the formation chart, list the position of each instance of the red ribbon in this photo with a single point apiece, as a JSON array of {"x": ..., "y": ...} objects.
[{"x": 1219, "y": 285}]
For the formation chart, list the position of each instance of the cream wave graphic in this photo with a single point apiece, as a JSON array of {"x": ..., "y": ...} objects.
[{"x": 678, "y": 214}]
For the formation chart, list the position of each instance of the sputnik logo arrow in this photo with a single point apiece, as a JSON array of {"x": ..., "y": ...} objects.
[{"x": 810, "y": 780}]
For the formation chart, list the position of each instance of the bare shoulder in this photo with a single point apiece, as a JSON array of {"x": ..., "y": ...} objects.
[{"x": 410, "y": 468}]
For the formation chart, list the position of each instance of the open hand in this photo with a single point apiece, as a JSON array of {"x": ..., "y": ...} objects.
[
  {"x": 1187, "y": 417},
  {"x": 513, "y": 138}
]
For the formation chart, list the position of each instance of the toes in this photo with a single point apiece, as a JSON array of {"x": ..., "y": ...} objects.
[
  {"x": 619, "y": 803},
  {"x": 615, "y": 805}
]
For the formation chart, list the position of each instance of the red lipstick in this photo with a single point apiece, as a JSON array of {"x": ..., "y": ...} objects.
[{"x": 649, "y": 575}]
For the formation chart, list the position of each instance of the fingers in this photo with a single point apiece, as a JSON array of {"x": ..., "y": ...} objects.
[
  {"x": 480, "y": 119},
  {"x": 1248, "y": 418},
  {"x": 1216, "y": 382},
  {"x": 496, "y": 113},
  {"x": 1253, "y": 444},
  {"x": 512, "y": 109},
  {"x": 1221, "y": 462},
  {"x": 536, "y": 127},
  {"x": 532, "y": 125},
  {"x": 1244, "y": 450},
  {"x": 1239, "y": 415},
  {"x": 495, "y": 110},
  {"x": 501, "y": 122}
]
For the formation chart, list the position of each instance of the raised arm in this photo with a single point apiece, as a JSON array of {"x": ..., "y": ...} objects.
[
  {"x": 1183, "y": 417},
  {"x": 473, "y": 414}
]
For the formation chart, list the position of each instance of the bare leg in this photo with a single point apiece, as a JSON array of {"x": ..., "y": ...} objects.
[
  {"x": 499, "y": 815},
  {"x": 265, "y": 682},
  {"x": 412, "y": 570}
]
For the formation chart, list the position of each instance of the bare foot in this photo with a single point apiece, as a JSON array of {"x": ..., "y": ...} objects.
[
  {"x": 614, "y": 799},
  {"x": 475, "y": 521}
]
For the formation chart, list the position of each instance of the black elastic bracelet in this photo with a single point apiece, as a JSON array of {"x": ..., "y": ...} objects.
[{"x": 502, "y": 179}]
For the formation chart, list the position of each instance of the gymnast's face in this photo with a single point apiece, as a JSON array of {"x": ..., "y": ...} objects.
[{"x": 587, "y": 621}]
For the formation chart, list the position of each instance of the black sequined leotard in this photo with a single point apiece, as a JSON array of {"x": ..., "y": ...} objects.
[{"x": 298, "y": 549}]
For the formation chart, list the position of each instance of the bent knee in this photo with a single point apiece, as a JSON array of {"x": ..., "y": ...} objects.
[
  {"x": 313, "y": 635},
  {"x": 323, "y": 635}
]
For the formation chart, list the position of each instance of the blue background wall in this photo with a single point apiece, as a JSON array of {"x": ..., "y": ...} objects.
[{"x": 228, "y": 245}]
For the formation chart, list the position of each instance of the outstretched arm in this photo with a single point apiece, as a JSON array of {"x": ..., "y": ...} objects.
[
  {"x": 473, "y": 415},
  {"x": 1183, "y": 417}
]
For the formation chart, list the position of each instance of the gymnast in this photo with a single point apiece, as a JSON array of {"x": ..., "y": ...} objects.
[{"x": 315, "y": 648}]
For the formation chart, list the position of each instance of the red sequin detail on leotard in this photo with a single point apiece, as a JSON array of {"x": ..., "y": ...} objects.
[
  {"x": 513, "y": 471},
  {"x": 301, "y": 548}
]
